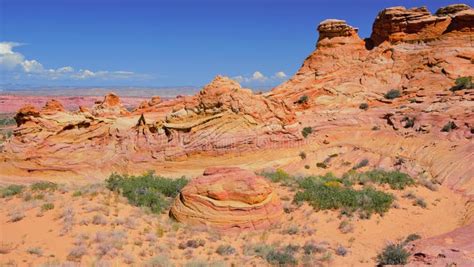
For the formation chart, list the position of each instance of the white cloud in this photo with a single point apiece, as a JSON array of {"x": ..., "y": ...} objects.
[
  {"x": 280, "y": 75},
  {"x": 259, "y": 77},
  {"x": 19, "y": 67}
]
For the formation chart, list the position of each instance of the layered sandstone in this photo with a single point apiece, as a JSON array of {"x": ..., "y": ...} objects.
[{"x": 228, "y": 199}]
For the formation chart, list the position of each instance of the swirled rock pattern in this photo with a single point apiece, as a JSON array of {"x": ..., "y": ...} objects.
[{"x": 228, "y": 198}]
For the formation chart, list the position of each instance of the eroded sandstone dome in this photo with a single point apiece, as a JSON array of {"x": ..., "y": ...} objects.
[{"x": 228, "y": 198}]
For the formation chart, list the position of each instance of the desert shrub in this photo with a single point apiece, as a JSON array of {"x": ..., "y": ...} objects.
[
  {"x": 396, "y": 180},
  {"x": 17, "y": 215},
  {"x": 321, "y": 165},
  {"x": 158, "y": 261},
  {"x": 307, "y": 167},
  {"x": 302, "y": 155},
  {"x": 409, "y": 122},
  {"x": 393, "y": 254},
  {"x": 11, "y": 190},
  {"x": 341, "y": 251},
  {"x": 411, "y": 237},
  {"x": 47, "y": 206},
  {"x": 192, "y": 243},
  {"x": 321, "y": 195},
  {"x": 278, "y": 176},
  {"x": 310, "y": 248},
  {"x": 292, "y": 230},
  {"x": 346, "y": 227},
  {"x": 303, "y": 99},
  {"x": 448, "y": 127},
  {"x": 306, "y": 131},
  {"x": 364, "y": 106},
  {"x": 225, "y": 250},
  {"x": 361, "y": 164},
  {"x": 99, "y": 219},
  {"x": 420, "y": 202},
  {"x": 281, "y": 258},
  {"x": 146, "y": 190},
  {"x": 35, "y": 251},
  {"x": 43, "y": 186},
  {"x": 77, "y": 193},
  {"x": 392, "y": 94},
  {"x": 462, "y": 83},
  {"x": 7, "y": 121}
]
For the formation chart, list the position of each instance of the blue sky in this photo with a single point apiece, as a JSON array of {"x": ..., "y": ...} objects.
[{"x": 168, "y": 43}]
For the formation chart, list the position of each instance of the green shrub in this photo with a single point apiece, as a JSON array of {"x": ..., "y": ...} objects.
[
  {"x": 302, "y": 155},
  {"x": 392, "y": 94},
  {"x": 412, "y": 237},
  {"x": 306, "y": 131},
  {"x": 47, "y": 206},
  {"x": 325, "y": 193},
  {"x": 7, "y": 121},
  {"x": 225, "y": 250},
  {"x": 409, "y": 122},
  {"x": 462, "y": 83},
  {"x": 364, "y": 106},
  {"x": 396, "y": 180},
  {"x": 43, "y": 186},
  {"x": 393, "y": 254},
  {"x": 302, "y": 100},
  {"x": 448, "y": 127},
  {"x": 420, "y": 202},
  {"x": 11, "y": 190},
  {"x": 361, "y": 164},
  {"x": 284, "y": 258},
  {"x": 279, "y": 176},
  {"x": 146, "y": 190},
  {"x": 321, "y": 165}
]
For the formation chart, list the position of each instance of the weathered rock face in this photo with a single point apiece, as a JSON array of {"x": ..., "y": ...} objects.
[
  {"x": 331, "y": 28},
  {"x": 401, "y": 24},
  {"x": 451, "y": 9},
  {"x": 110, "y": 106},
  {"x": 53, "y": 106},
  {"x": 453, "y": 248},
  {"x": 228, "y": 199}
]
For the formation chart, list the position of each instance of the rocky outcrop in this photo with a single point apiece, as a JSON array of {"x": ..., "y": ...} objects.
[
  {"x": 228, "y": 199},
  {"x": 400, "y": 24},
  {"x": 455, "y": 248},
  {"x": 53, "y": 106},
  {"x": 331, "y": 28},
  {"x": 451, "y": 10},
  {"x": 110, "y": 106},
  {"x": 25, "y": 114}
]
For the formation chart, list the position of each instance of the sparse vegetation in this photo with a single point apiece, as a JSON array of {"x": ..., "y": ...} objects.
[
  {"x": 462, "y": 83},
  {"x": 306, "y": 131},
  {"x": 35, "y": 251},
  {"x": 409, "y": 122},
  {"x": 44, "y": 186},
  {"x": 278, "y": 176},
  {"x": 47, "y": 206},
  {"x": 361, "y": 164},
  {"x": 11, "y": 190},
  {"x": 302, "y": 155},
  {"x": 341, "y": 251},
  {"x": 225, "y": 250},
  {"x": 146, "y": 190},
  {"x": 448, "y": 127},
  {"x": 7, "y": 121},
  {"x": 302, "y": 100},
  {"x": 411, "y": 238},
  {"x": 396, "y": 180},
  {"x": 281, "y": 258},
  {"x": 420, "y": 202},
  {"x": 321, "y": 165},
  {"x": 328, "y": 192},
  {"x": 392, "y": 94},
  {"x": 364, "y": 106},
  {"x": 393, "y": 254}
]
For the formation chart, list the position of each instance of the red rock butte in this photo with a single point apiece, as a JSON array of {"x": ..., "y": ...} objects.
[{"x": 228, "y": 198}]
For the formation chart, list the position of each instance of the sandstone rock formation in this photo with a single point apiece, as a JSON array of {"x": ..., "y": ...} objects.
[
  {"x": 412, "y": 51},
  {"x": 455, "y": 248},
  {"x": 228, "y": 198}
]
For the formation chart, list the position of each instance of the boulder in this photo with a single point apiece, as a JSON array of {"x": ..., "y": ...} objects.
[{"x": 228, "y": 198}]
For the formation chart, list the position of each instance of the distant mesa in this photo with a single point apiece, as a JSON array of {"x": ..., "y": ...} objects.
[{"x": 228, "y": 198}]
